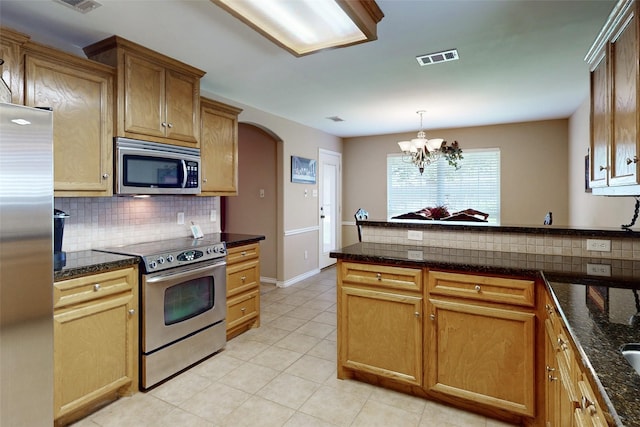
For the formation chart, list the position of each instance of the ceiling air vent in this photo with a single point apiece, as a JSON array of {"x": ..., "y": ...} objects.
[
  {"x": 335, "y": 119},
  {"x": 82, "y": 6},
  {"x": 436, "y": 57}
]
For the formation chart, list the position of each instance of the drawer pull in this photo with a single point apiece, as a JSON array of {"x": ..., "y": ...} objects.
[
  {"x": 243, "y": 278},
  {"x": 379, "y": 276},
  {"x": 243, "y": 309},
  {"x": 96, "y": 287},
  {"x": 634, "y": 160},
  {"x": 432, "y": 316},
  {"x": 416, "y": 314},
  {"x": 552, "y": 378},
  {"x": 586, "y": 404},
  {"x": 132, "y": 312},
  {"x": 243, "y": 253},
  {"x": 477, "y": 288},
  {"x": 562, "y": 344},
  {"x": 550, "y": 369}
]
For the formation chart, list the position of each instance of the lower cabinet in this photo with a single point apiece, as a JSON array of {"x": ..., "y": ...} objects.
[
  {"x": 481, "y": 340},
  {"x": 243, "y": 289},
  {"x": 95, "y": 341},
  {"x": 570, "y": 400}
]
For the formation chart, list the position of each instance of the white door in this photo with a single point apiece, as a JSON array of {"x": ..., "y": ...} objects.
[{"x": 329, "y": 185}]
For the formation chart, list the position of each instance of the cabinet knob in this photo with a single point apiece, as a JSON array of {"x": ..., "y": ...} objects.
[
  {"x": 552, "y": 378},
  {"x": 477, "y": 288},
  {"x": 170, "y": 125},
  {"x": 204, "y": 179},
  {"x": 243, "y": 309},
  {"x": 432, "y": 316},
  {"x": 243, "y": 253},
  {"x": 550, "y": 369},
  {"x": 243, "y": 278},
  {"x": 416, "y": 314},
  {"x": 96, "y": 287},
  {"x": 105, "y": 176},
  {"x": 604, "y": 168},
  {"x": 634, "y": 160},
  {"x": 585, "y": 404},
  {"x": 164, "y": 124},
  {"x": 562, "y": 344},
  {"x": 132, "y": 312},
  {"x": 379, "y": 276}
]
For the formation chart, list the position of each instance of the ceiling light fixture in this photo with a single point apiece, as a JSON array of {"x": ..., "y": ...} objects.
[
  {"x": 307, "y": 26},
  {"x": 422, "y": 151}
]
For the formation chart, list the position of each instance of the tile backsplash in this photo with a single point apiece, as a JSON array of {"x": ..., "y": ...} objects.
[
  {"x": 99, "y": 222},
  {"x": 627, "y": 248}
]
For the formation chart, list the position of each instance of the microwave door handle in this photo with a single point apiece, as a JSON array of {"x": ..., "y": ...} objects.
[{"x": 184, "y": 174}]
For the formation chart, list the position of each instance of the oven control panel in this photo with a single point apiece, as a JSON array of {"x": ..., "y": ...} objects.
[{"x": 164, "y": 261}]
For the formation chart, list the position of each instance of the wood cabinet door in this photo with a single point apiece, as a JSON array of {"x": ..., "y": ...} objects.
[
  {"x": 13, "y": 67},
  {"x": 219, "y": 151},
  {"x": 600, "y": 125},
  {"x": 551, "y": 378},
  {"x": 381, "y": 333},
  {"x": 94, "y": 352},
  {"x": 144, "y": 97},
  {"x": 82, "y": 123},
  {"x": 482, "y": 354},
  {"x": 182, "y": 107},
  {"x": 624, "y": 71}
]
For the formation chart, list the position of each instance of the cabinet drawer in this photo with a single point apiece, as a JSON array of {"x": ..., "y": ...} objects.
[
  {"x": 243, "y": 277},
  {"x": 402, "y": 278},
  {"x": 242, "y": 309},
  {"x": 483, "y": 288},
  {"x": 88, "y": 288},
  {"x": 242, "y": 253}
]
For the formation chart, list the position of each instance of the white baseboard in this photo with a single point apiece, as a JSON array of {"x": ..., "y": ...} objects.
[
  {"x": 298, "y": 278},
  {"x": 268, "y": 280}
]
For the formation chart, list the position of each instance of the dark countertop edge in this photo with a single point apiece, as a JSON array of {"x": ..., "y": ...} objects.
[
  {"x": 550, "y": 230},
  {"x": 235, "y": 239},
  {"x": 99, "y": 262},
  {"x": 593, "y": 375}
]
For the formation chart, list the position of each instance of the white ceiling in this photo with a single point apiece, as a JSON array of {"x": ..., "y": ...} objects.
[{"x": 520, "y": 60}]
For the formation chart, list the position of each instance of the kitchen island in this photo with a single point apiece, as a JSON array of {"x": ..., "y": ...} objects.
[{"x": 593, "y": 295}]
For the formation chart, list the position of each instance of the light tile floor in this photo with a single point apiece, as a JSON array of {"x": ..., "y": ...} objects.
[{"x": 281, "y": 374}]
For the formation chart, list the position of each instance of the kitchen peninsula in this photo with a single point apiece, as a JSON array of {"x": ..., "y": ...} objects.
[{"x": 520, "y": 323}]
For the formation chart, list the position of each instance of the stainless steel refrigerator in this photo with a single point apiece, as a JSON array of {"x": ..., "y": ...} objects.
[{"x": 26, "y": 266}]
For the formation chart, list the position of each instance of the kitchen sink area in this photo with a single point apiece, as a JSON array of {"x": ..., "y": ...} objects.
[{"x": 631, "y": 352}]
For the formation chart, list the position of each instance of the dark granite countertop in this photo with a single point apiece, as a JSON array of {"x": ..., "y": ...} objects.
[
  {"x": 597, "y": 335},
  {"x": 83, "y": 263},
  {"x": 554, "y": 230},
  {"x": 599, "y": 319}
]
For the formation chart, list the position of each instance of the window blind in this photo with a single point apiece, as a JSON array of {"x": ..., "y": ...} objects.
[{"x": 476, "y": 185}]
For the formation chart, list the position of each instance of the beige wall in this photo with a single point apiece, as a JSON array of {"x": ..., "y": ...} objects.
[
  {"x": 534, "y": 178},
  {"x": 297, "y": 217},
  {"x": 248, "y": 212},
  {"x": 586, "y": 210}
]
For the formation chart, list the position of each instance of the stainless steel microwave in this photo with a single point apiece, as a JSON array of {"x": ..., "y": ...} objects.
[{"x": 144, "y": 167}]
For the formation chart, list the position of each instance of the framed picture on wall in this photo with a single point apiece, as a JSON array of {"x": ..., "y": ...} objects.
[{"x": 303, "y": 170}]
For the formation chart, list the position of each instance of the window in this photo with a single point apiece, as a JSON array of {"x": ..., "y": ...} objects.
[{"x": 476, "y": 185}]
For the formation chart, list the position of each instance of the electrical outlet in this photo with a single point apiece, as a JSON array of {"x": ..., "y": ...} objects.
[
  {"x": 180, "y": 218},
  {"x": 603, "y": 270},
  {"x": 262, "y": 193},
  {"x": 414, "y": 235},
  {"x": 306, "y": 254},
  {"x": 213, "y": 217},
  {"x": 599, "y": 245}
]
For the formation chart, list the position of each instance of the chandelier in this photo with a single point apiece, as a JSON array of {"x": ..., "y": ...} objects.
[{"x": 422, "y": 151}]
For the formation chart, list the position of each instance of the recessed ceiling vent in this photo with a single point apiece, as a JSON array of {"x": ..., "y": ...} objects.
[
  {"x": 82, "y": 6},
  {"x": 335, "y": 119},
  {"x": 436, "y": 57}
]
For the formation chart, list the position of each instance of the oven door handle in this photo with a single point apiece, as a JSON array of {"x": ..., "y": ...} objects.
[{"x": 177, "y": 276}]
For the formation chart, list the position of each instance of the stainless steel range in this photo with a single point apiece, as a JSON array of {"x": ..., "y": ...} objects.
[{"x": 182, "y": 303}]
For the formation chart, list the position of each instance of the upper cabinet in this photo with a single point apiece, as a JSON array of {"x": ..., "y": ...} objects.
[
  {"x": 11, "y": 43},
  {"x": 80, "y": 93},
  {"x": 219, "y": 148},
  {"x": 615, "y": 113},
  {"x": 157, "y": 97}
]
